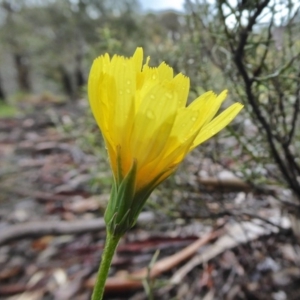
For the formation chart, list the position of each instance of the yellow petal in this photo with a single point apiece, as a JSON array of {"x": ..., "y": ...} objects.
[
  {"x": 182, "y": 129},
  {"x": 207, "y": 104},
  {"x": 215, "y": 106},
  {"x": 165, "y": 72},
  {"x": 182, "y": 85},
  {"x": 98, "y": 101},
  {"x": 217, "y": 124},
  {"x": 157, "y": 111},
  {"x": 164, "y": 164},
  {"x": 138, "y": 59},
  {"x": 126, "y": 86}
]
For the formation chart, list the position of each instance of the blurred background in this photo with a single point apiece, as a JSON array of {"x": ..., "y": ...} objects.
[{"x": 243, "y": 185}]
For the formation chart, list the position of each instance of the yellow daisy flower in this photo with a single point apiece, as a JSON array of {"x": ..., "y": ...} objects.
[{"x": 147, "y": 127}]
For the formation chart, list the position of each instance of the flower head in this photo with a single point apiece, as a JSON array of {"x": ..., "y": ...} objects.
[{"x": 147, "y": 127}]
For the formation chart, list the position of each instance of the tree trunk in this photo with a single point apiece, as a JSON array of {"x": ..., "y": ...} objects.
[
  {"x": 79, "y": 77},
  {"x": 22, "y": 67},
  {"x": 80, "y": 81},
  {"x": 2, "y": 93},
  {"x": 66, "y": 81}
]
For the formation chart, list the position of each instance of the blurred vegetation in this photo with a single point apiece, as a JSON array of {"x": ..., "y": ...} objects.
[
  {"x": 49, "y": 45},
  {"x": 249, "y": 47},
  {"x": 7, "y": 110}
]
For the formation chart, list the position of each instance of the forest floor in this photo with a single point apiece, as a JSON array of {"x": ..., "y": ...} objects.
[{"x": 198, "y": 238}]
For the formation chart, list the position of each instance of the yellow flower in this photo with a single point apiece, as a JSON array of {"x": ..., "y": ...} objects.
[{"x": 146, "y": 125}]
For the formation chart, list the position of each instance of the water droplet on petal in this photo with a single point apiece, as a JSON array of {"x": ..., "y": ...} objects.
[
  {"x": 128, "y": 82},
  {"x": 169, "y": 95},
  {"x": 152, "y": 96},
  {"x": 150, "y": 114},
  {"x": 128, "y": 91},
  {"x": 194, "y": 119},
  {"x": 121, "y": 92},
  {"x": 153, "y": 76}
]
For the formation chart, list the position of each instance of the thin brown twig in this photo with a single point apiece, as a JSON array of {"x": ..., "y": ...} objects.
[{"x": 41, "y": 228}]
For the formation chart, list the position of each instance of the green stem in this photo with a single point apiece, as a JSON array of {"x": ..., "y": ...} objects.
[{"x": 107, "y": 256}]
